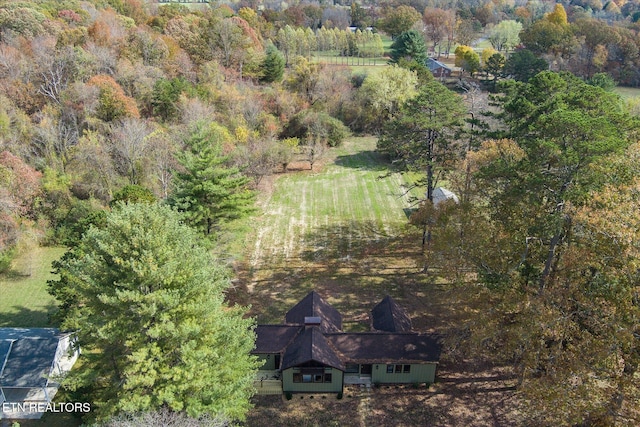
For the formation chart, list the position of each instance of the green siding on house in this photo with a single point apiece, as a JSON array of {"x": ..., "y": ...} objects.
[
  {"x": 269, "y": 362},
  {"x": 422, "y": 373},
  {"x": 335, "y": 386}
]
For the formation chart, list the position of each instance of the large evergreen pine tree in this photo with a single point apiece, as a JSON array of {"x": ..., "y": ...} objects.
[
  {"x": 422, "y": 135},
  {"x": 147, "y": 302},
  {"x": 409, "y": 45}
]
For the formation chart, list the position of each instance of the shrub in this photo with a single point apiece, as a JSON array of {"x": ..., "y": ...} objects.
[
  {"x": 288, "y": 395},
  {"x": 311, "y": 125},
  {"x": 6, "y": 256},
  {"x": 166, "y": 94},
  {"x": 133, "y": 194},
  {"x": 339, "y": 396}
]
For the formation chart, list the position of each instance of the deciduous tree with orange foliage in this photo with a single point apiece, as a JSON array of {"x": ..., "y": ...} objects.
[{"x": 113, "y": 104}]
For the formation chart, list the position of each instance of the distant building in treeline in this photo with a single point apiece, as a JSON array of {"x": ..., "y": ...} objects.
[{"x": 438, "y": 69}]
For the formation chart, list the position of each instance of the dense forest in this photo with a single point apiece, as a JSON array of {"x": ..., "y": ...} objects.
[{"x": 194, "y": 105}]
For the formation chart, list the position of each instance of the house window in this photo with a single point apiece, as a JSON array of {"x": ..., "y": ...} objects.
[
  {"x": 315, "y": 378},
  {"x": 398, "y": 369},
  {"x": 389, "y": 369},
  {"x": 406, "y": 369},
  {"x": 352, "y": 368}
]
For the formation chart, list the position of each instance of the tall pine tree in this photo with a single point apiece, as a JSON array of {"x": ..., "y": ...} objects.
[
  {"x": 273, "y": 65},
  {"x": 208, "y": 190},
  {"x": 147, "y": 302},
  {"x": 422, "y": 135},
  {"x": 409, "y": 45}
]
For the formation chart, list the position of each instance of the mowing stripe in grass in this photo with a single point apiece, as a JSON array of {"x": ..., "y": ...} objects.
[{"x": 331, "y": 213}]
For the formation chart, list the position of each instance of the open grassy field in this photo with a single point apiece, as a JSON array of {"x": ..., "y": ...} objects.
[
  {"x": 628, "y": 92},
  {"x": 316, "y": 226},
  {"x": 342, "y": 230},
  {"x": 24, "y": 301}
]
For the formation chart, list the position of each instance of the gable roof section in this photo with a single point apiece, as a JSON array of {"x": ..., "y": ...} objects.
[
  {"x": 274, "y": 338},
  {"x": 311, "y": 346},
  {"x": 302, "y": 345},
  {"x": 375, "y": 347},
  {"x": 442, "y": 195},
  {"x": 388, "y": 316},
  {"x": 26, "y": 356},
  {"x": 434, "y": 64},
  {"x": 314, "y": 306}
]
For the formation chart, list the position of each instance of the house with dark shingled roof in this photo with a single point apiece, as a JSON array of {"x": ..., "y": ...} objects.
[{"x": 311, "y": 353}]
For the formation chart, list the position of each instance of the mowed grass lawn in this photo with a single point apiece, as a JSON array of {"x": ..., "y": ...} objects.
[
  {"x": 327, "y": 214},
  {"x": 627, "y": 92},
  {"x": 24, "y": 301}
]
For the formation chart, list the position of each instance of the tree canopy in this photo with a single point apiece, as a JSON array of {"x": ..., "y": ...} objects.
[
  {"x": 537, "y": 238},
  {"x": 523, "y": 65},
  {"x": 505, "y": 35},
  {"x": 147, "y": 302},
  {"x": 273, "y": 65},
  {"x": 399, "y": 19},
  {"x": 383, "y": 93},
  {"x": 467, "y": 59},
  {"x": 422, "y": 135}
]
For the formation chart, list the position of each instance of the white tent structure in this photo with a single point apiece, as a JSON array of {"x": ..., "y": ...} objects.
[
  {"x": 442, "y": 194},
  {"x": 31, "y": 360}
]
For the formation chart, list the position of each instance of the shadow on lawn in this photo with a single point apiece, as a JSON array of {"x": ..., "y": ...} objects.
[
  {"x": 344, "y": 242},
  {"x": 24, "y": 317},
  {"x": 15, "y": 275},
  {"x": 352, "y": 266},
  {"x": 366, "y": 160}
]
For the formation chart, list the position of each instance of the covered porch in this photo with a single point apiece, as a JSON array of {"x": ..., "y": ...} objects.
[
  {"x": 268, "y": 382},
  {"x": 358, "y": 373}
]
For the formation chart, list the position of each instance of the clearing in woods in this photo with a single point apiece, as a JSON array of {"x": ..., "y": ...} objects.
[{"x": 342, "y": 230}]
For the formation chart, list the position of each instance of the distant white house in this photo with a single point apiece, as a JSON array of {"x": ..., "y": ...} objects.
[
  {"x": 31, "y": 361},
  {"x": 442, "y": 194}
]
